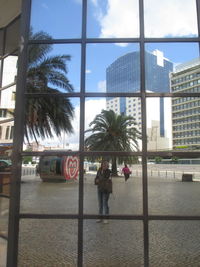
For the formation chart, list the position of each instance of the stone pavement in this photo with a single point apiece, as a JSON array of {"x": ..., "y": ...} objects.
[{"x": 53, "y": 243}]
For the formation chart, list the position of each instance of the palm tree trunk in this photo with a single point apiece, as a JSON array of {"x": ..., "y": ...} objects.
[{"x": 114, "y": 166}]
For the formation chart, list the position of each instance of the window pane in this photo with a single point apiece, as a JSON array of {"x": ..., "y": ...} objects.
[
  {"x": 3, "y": 251},
  {"x": 58, "y": 21},
  {"x": 110, "y": 19},
  {"x": 121, "y": 127},
  {"x": 1, "y": 42},
  {"x": 52, "y": 123},
  {"x": 174, "y": 185},
  {"x": 9, "y": 70},
  {"x": 50, "y": 184},
  {"x": 186, "y": 77},
  {"x": 159, "y": 123},
  {"x": 186, "y": 122},
  {"x": 170, "y": 18},
  {"x": 174, "y": 243},
  {"x": 118, "y": 243},
  {"x": 54, "y": 67},
  {"x": 118, "y": 68},
  {"x": 126, "y": 185},
  {"x": 12, "y": 37},
  {"x": 164, "y": 61},
  {"x": 48, "y": 243}
]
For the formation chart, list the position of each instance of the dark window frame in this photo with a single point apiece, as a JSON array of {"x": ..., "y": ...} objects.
[{"x": 15, "y": 214}]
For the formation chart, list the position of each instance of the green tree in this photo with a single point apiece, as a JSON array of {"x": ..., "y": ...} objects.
[
  {"x": 46, "y": 114},
  {"x": 158, "y": 159},
  {"x": 112, "y": 132}
]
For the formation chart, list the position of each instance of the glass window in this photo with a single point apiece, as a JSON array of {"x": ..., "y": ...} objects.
[
  {"x": 165, "y": 63},
  {"x": 118, "y": 68},
  {"x": 170, "y": 18},
  {"x": 53, "y": 68},
  {"x": 57, "y": 21},
  {"x": 12, "y": 37},
  {"x": 111, "y": 19}
]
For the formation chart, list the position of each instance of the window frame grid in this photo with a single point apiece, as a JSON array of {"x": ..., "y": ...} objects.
[{"x": 21, "y": 95}]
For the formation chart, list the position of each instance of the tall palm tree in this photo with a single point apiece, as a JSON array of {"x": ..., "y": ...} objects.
[
  {"x": 47, "y": 114},
  {"x": 112, "y": 132}
]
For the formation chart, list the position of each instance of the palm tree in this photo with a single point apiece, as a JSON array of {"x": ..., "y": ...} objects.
[
  {"x": 47, "y": 114},
  {"x": 112, "y": 132}
]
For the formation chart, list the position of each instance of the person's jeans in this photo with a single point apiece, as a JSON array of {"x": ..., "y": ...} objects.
[{"x": 103, "y": 202}]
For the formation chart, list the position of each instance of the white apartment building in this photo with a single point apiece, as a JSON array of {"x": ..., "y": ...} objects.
[
  {"x": 185, "y": 110},
  {"x": 7, "y": 100}
]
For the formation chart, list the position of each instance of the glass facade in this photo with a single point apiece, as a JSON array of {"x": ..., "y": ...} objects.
[{"x": 100, "y": 82}]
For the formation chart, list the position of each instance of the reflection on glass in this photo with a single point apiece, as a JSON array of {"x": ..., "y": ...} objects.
[
  {"x": 4, "y": 207},
  {"x": 173, "y": 183},
  {"x": 3, "y": 251},
  {"x": 53, "y": 68},
  {"x": 128, "y": 188},
  {"x": 12, "y": 37},
  {"x": 1, "y": 43},
  {"x": 59, "y": 19},
  {"x": 48, "y": 243},
  {"x": 49, "y": 184},
  {"x": 170, "y": 18},
  {"x": 9, "y": 70},
  {"x": 5, "y": 164},
  {"x": 164, "y": 60},
  {"x": 118, "y": 243},
  {"x": 174, "y": 243},
  {"x": 113, "y": 68},
  {"x": 159, "y": 124},
  {"x": 52, "y": 122},
  {"x": 114, "y": 125},
  {"x": 108, "y": 19},
  {"x": 185, "y": 117}
]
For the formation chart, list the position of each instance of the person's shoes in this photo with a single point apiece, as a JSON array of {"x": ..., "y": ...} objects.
[
  {"x": 98, "y": 220},
  {"x": 105, "y": 221}
]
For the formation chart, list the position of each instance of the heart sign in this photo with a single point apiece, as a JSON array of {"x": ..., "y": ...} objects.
[{"x": 71, "y": 167}]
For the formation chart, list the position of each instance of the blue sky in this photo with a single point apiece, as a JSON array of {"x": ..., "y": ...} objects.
[
  {"x": 108, "y": 18},
  {"x": 111, "y": 19}
]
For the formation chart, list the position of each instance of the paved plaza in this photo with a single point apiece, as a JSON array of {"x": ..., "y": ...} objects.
[{"x": 53, "y": 243}]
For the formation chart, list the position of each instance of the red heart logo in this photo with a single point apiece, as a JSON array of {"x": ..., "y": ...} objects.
[{"x": 71, "y": 167}]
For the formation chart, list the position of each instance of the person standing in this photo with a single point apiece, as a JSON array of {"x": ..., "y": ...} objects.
[
  {"x": 126, "y": 171},
  {"x": 104, "y": 188}
]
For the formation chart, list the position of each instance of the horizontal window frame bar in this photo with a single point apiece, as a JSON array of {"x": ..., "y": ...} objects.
[
  {"x": 116, "y": 40},
  {"x": 94, "y": 94},
  {"x": 110, "y": 217},
  {"x": 114, "y": 153},
  {"x": 7, "y": 86}
]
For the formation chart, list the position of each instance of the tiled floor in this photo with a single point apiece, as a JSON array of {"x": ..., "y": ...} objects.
[{"x": 3, "y": 246}]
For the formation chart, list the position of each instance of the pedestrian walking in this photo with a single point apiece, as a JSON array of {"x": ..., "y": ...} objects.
[
  {"x": 126, "y": 171},
  {"x": 104, "y": 188}
]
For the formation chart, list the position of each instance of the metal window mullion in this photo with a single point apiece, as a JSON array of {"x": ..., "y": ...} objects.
[
  {"x": 144, "y": 139},
  {"x": 81, "y": 136},
  {"x": 13, "y": 227}
]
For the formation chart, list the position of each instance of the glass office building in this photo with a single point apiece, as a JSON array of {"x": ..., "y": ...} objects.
[{"x": 124, "y": 75}]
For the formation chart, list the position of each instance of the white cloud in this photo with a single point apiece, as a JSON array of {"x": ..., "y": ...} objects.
[
  {"x": 88, "y": 71},
  {"x": 170, "y": 18},
  {"x": 119, "y": 18},
  {"x": 92, "y": 108},
  {"x": 102, "y": 86},
  {"x": 162, "y": 18}
]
